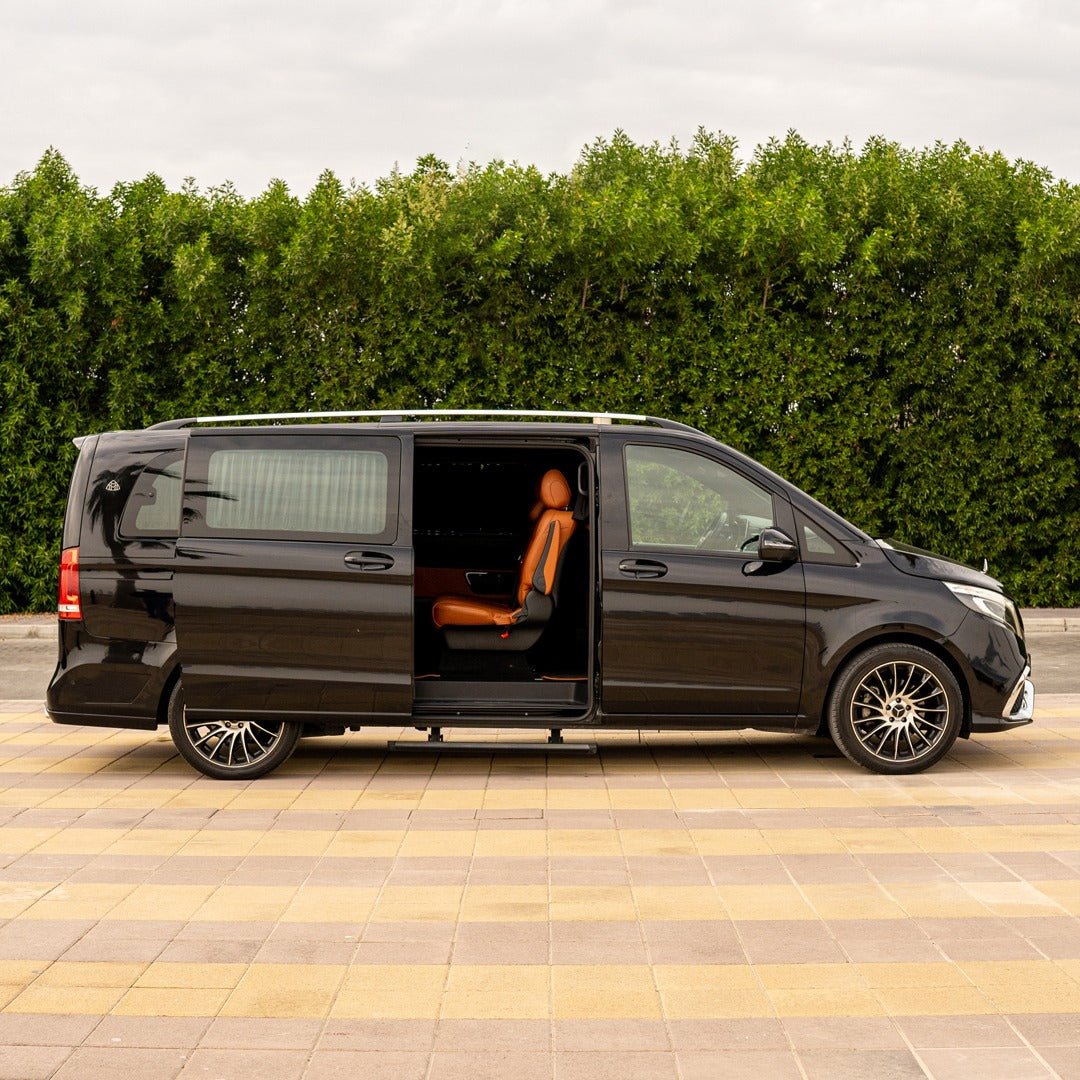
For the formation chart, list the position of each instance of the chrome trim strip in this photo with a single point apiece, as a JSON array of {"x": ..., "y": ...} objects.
[
  {"x": 592, "y": 417},
  {"x": 422, "y": 412},
  {"x": 1026, "y": 709},
  {"x": 402, "y": 416},
  {"x": 1021, "y": 683}
]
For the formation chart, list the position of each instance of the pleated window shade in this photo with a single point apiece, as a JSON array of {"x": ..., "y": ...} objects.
[{"x": 342, "y": 492}]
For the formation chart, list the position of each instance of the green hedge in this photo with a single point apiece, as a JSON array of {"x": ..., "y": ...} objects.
[{"x": 896, "y": 331}]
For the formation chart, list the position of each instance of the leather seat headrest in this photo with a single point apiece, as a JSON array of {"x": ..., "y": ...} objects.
[{"x": 554, "y": 490}]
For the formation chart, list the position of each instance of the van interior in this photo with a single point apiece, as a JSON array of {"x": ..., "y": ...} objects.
[{"x": 504, "y": 580}]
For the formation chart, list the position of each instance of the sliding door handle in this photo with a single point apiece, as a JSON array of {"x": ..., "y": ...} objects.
[
  {"x": 642, "y": 568},
  {"x": 369, "y": 560}
]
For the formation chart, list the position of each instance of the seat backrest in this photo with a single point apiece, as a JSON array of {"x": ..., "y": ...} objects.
[{"x": 554, "y": 527}]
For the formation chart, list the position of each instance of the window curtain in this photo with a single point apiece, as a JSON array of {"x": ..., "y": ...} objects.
[{"x": 318, "y": 491}]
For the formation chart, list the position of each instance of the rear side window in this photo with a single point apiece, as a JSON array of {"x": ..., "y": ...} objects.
[
  {"x": 293, "y": 488},
  {"x": 153, "y": 507},
  {"x": 302, "y": 491}
]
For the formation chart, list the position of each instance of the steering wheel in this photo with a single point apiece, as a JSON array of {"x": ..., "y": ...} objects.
[
  {"x": 752, "y": 540},
  {"x": 719, "y": 529}
]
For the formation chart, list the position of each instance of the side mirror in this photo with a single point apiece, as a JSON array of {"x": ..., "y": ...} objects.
[{"x": 774, "y": 545}]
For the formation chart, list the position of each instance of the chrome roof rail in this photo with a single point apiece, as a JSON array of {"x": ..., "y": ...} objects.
[{"x": 402, "y": 415}]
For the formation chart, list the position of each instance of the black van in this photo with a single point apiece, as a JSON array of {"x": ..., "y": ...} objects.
[{"x": 251, "y": 579}]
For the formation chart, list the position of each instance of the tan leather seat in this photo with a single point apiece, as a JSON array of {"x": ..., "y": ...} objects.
[{"x": 554, "y": 527}]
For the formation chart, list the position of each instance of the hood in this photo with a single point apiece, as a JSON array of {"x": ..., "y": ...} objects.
[{"x": 925, "y": 564}]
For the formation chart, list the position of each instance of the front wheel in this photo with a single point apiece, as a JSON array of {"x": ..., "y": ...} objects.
[
  {"x": 230, "y": 749},
  {"x": 895, "y": 709}
]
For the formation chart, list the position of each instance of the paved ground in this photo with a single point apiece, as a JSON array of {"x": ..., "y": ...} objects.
[{"x": 710, "y": 906}]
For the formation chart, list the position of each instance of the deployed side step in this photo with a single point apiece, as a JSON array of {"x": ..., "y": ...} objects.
[{"x": 434, "y": 743}]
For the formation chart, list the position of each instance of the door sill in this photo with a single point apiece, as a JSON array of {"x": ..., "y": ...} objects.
[{"x": 524, "y": 698}]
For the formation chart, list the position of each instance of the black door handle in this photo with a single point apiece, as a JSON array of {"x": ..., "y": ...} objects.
[
  {"x": 642, "y": 568},
  {"x": 368, "y": 560}
]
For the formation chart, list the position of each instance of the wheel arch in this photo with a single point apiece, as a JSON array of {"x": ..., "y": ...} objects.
[
  {"x": 166, "y": 692},
  {"x": 898, "y": 637}
]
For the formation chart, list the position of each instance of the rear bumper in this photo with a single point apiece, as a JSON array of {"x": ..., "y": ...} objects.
[
  {"x": 141, "y": 723},
  {"x": 109, "y": 683}
]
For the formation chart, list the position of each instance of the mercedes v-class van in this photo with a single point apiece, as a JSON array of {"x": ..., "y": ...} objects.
[{"x": 250, "y": 579}]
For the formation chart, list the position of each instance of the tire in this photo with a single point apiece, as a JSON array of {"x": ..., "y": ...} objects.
[
  {"x": 895, "y": 709},
  {"x": 215, "y": 747}
]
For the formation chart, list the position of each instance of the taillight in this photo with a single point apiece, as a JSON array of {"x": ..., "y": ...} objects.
[{"x": 70, "y": 606}]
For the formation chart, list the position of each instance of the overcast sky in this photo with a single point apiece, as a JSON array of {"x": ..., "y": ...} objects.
[{"x": 250, "y": 90}]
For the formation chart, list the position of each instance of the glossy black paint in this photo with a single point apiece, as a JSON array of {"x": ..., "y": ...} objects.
[
  {"x": 681, "y": 640},
  {"x": 116, "y": 662},
  {"x": 300, "y": 629}
]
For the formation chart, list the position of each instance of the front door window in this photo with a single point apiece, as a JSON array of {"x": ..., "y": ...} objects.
[{"x": 682, "y": 501}]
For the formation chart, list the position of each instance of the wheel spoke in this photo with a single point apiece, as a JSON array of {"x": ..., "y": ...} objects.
[
  {"x": 907, "y": 680},
  {"x": 881, "y": 727},
  {"x": 932, "y": 696},
  {"x": 870, "y": 692},
  {"x": 915, "y": 689},
  {"x": 271, "y": 735},
  {"x": 922, "y": 735},
  {"x": 923, "y": 722}
]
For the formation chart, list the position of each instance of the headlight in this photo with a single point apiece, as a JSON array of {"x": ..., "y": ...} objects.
[{"x": 987, "y": 602}]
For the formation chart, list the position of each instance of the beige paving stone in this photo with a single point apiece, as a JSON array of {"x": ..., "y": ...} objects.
[
  {"x": 379, "y": 992},
  {"x": 490, "y": 1065},
  {"x": 500, "y": 843},
  {"x": 147, "y": 1031},
  {"x": 85, "y": 901},
  {"x": 78, "y": 974},
  {"x": 265, "y": 1064},
  {"x": 285, "y": 990},
  {"x": 589, "y": 991},
  {"x": 191, "y": 975},
  {"x": 70, "y": 1000},
  {"x": 738, "y": 1064},
  {"x": 171, "y": 1001},
  {"x": 172, "y": 902},
  {"x": 510, "y": 992},
  {"x": 245, "y": 903},
  {"x": 369, "y": 1064},
  {"x": 991, "y": 1063},
  {"x": 122, "y": 1062}
]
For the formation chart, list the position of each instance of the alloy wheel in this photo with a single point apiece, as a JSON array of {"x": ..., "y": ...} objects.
[
  {"x": 899, "y": 712},
  {"x": 232, "y": 744}
]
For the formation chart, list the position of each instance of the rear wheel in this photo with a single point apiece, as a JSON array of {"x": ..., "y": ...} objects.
[
  {"x": 895, "y": 709},
  {"x": 230, "y": 749}
]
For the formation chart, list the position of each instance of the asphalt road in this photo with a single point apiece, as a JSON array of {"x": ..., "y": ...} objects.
[{"x": 25, "y": 666}]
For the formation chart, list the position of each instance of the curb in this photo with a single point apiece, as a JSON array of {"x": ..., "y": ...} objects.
[
  {"x": 1052, "y": 626},
  {"x": 27, "y": 631}
]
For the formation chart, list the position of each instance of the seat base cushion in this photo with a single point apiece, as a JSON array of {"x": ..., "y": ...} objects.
[{"x": 471, "y": 611}]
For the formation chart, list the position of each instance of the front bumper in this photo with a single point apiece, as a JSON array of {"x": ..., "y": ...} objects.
[{"x": 1019, "y": 708}]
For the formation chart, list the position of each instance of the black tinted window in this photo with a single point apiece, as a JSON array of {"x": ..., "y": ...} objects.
[
  {"x": 819, "y": 547},
  {"x": 153, "y": 507}
]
